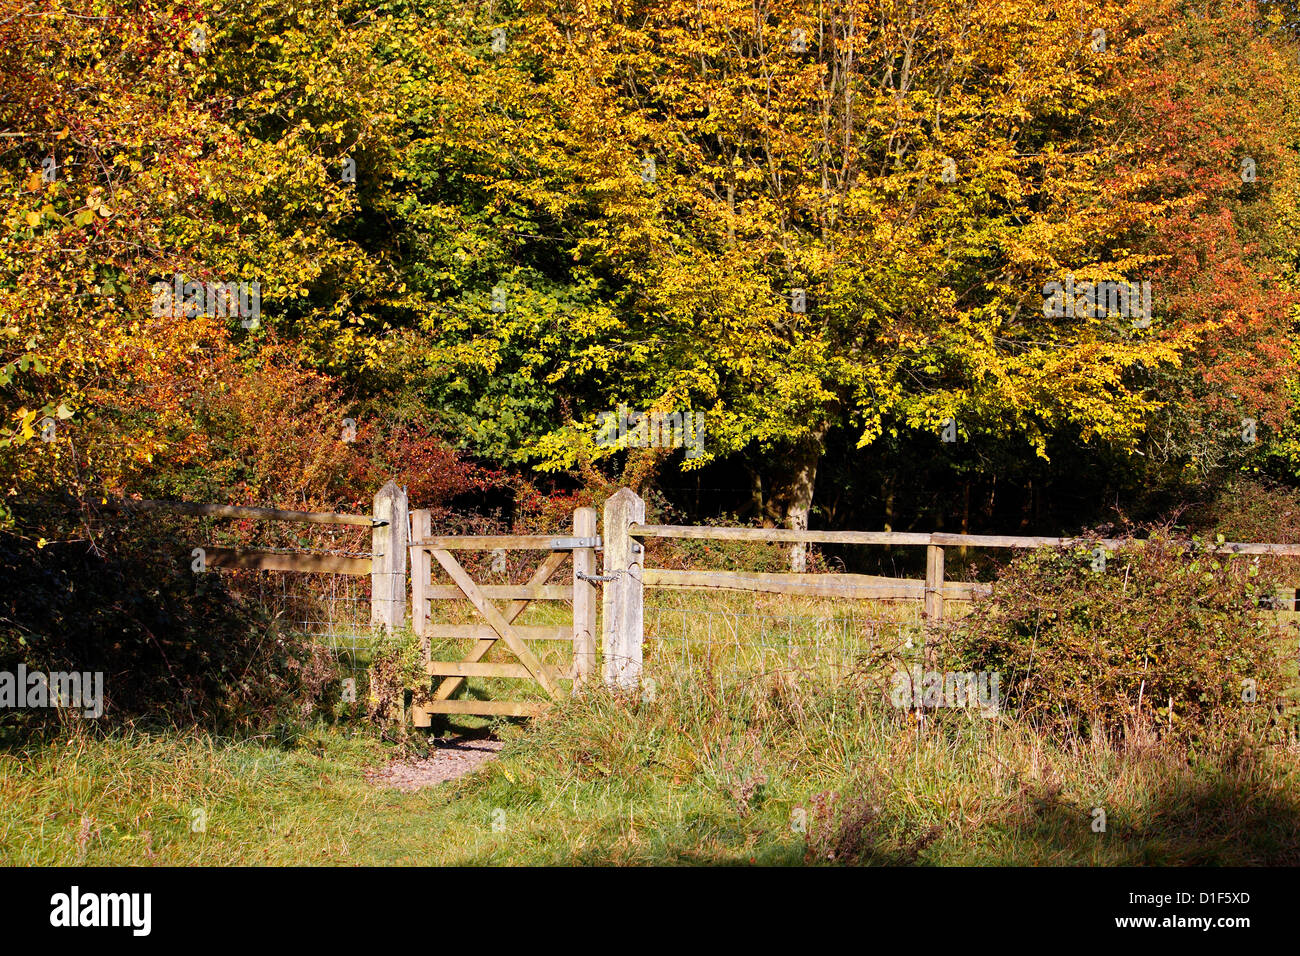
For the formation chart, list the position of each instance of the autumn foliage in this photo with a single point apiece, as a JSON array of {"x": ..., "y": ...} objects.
[{"x": 475, "y": 228}]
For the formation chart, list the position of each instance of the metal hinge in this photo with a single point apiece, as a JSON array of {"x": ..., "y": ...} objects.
[{"x": 569, "y": 544}]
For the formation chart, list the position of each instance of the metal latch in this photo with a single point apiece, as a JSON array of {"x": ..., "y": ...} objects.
[{"x": 598, "y": 578}]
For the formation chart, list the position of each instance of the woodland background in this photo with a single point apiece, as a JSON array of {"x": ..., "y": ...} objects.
[{"x": 643, "y": 185}]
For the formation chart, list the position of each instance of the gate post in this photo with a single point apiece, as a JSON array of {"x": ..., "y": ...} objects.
[
  {"x": 584, "y": 599},
  {"x": 623, "y": 605},
  {"x": 388, "y": 544}
]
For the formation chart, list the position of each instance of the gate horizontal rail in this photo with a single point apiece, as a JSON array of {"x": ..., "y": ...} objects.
[{"x": 505, "y": 542}]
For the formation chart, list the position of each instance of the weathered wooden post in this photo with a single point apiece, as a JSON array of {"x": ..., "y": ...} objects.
[
  {"x": 798, "y": 521},
  {"x": 584, "y": 598},
  {"x": 388, "y": 544},
  {"x": 421, "y": 528},
  {"x": 623, "y": 604},
  {"x": 933, "y": 584}
]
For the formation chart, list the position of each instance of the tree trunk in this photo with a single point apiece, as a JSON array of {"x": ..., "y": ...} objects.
[
  {"x": 797, "y": 508},
  {"x": 755, "y": 505},
  {"x": 791, "y": 494}
]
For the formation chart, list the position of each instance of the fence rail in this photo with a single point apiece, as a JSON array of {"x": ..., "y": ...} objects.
[
  {"x": 848, "y": 586},
  {"x": 300, "y": 561},
  {"x": 202, "y": 509},
  {"x": 386, "y": 564},
  {"x": 925, "y": 538}
]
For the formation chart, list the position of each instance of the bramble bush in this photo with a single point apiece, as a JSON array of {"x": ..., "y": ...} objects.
[
  {"x": 1167, "y": 637},
  {"x": 175, "y": 648}
]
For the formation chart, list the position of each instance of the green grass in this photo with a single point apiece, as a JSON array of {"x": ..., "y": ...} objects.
[
  {"x": 767, "y": 739},
  {"x": 607, "y": 781}
]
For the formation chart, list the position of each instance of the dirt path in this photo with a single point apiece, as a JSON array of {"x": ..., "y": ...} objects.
[{"x": 453, "y": 758}]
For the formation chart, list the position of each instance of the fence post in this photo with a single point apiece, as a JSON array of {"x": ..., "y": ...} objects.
[
  {"x": 623, "y": 604},
  {"x": 388, "y": 542},
  {"x": 933, "y": 584},
  {"x": 799, "y": 550},
  {"x": 421, "y": 528},
  {"x": 584, "y": 599}
]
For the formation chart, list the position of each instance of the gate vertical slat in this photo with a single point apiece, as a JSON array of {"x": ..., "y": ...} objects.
[{"x": 421, "y": 528}]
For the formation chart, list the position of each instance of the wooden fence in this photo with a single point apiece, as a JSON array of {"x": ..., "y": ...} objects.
[
  {"x": 386, "y": 565},
  {"x": 627, "y": 574},
  {"x": 398, "y": 534}
]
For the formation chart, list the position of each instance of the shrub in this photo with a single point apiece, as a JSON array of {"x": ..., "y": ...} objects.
[
  {"x": 1166, "y": 635},
  {"x": 174, "y": 647},
  {"x": 394, "y": 669},
  {"x": 1253, "y": 510}
]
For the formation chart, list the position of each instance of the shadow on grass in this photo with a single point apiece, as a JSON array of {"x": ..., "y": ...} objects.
[
  {"x": 1191, "y": 822},
  {"x": 1188, "y": 821}
]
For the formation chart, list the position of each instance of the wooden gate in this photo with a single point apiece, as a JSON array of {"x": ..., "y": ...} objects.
[{"x": 496, "y": 626}]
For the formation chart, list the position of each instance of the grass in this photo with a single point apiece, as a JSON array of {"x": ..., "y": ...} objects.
[
  {"x": 605, "y": 782},
  {"x": 762, "y": 739}
]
